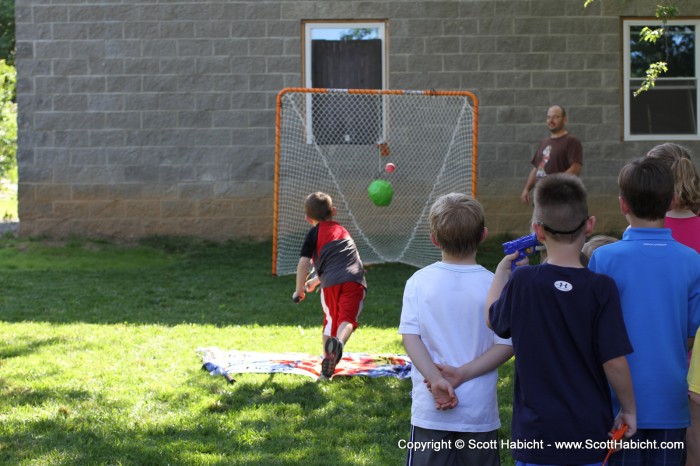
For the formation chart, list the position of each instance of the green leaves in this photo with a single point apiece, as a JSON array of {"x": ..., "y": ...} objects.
[
  {"x": 654, "y": 70},
  {"x": 663, "y": 13},
  {"x": 652, "y": 73},
  {"x": 651, "y": 35},
  {"x": 8, "y": 119},
  {"x": 7, "y": 30}
]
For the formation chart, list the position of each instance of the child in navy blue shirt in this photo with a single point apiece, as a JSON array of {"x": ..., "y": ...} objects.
[{"x": 568, "y": 336}]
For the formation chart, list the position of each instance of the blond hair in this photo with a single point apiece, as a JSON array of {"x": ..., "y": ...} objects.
[
  {"x": 457, "y": 224},
  {"x": 595, "y": 242},
  {"x": 687, "y": 181}
]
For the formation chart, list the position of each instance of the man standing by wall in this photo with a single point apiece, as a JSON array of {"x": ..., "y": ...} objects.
[{"x": 561, "y": 152}]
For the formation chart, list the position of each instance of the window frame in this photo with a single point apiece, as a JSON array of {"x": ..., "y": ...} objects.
[
  {"x": 382, "y": 25},
  {"x": 626, "y": 25},
  {"x": 307, "y": 25}
]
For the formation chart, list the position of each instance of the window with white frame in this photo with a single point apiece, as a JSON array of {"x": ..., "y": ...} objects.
[
  {"x": 345, "y": 55},
  {"x": 669, "y": 110}
]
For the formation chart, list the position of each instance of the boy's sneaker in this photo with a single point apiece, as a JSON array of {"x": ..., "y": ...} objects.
[{"x": 333, "y": 351}]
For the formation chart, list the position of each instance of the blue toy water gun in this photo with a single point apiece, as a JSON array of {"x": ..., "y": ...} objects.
[{"x": 525, "y": 246}]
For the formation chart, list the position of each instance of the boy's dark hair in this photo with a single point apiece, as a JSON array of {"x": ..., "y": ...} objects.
[
  {"x": 647, "y": 185},
  {"x": 457, "y": 224},
  {"x": 561, "y": 206},
  {"x": 319, "y": 206}
]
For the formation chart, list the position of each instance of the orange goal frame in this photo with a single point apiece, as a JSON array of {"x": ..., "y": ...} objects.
[{"x": 305, "y": 90}]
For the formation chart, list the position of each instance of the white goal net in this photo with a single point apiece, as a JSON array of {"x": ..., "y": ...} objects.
[{"x": 339, "y": 141}]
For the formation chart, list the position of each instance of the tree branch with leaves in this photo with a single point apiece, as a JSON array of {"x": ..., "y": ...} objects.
[
  {"x": 664, "y": 13},
  {"x": 7, "y": 31}
]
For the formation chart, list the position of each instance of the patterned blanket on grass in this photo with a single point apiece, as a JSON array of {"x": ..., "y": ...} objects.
[{"x": 226, "y": 363}]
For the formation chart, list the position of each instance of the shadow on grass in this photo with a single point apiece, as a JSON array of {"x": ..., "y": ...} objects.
[
  {"x": 279, "y": 419},
  {"x": 307, "y": 417},
  {"x": 248, "y": 423},
  {"x": 197, "y": 282},
  {"x": 23, "y": 396},
  {"x": 26, "y": 346},
  {"x": 306, "y": 397},
  {"x": 171, "y": 281}
]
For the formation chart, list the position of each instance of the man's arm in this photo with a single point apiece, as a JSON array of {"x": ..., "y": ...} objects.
[
  {"x": 574, "y": 169},
  {"x": 618, "y": 373},
  {"x": 443, "y": 392},
  {"x": 490, "y": 360},
  {"x": 531, "y": 178}
]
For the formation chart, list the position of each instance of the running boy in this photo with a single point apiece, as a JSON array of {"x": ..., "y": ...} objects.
[
  {"x": 442, "y": 321},
  {"x": 340, "y": 273},
  {"x": 568, "y": 336},
  {"x": 659, "y": 282}
]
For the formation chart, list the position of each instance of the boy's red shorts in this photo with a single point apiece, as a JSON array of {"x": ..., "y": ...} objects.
[{"x": 341, "y": 303}]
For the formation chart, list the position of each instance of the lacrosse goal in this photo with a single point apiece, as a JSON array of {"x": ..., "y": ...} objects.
[{"x": 338, "y": 141}]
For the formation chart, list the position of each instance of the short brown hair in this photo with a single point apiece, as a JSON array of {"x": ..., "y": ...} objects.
[
  {"x": 647, "y": 185},
  {"x": 457, "y": 224},
  {"x": 319, "y": 206},
  {"x": 561, "y": 206}
]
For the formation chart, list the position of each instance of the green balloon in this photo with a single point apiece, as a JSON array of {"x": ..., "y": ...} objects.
[{"x": 380, "y": 192}]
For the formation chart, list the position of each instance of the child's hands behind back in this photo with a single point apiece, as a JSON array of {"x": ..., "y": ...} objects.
[{"x": 443, "y": 394}]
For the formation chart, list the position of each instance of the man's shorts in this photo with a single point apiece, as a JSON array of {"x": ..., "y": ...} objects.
[{"x": 341, "y": 303}]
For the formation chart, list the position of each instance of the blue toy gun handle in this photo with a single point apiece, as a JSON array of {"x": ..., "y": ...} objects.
[{"x": 524, "y": 245}]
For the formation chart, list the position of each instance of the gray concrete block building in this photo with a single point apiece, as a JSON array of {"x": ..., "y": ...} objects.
[{"x": 158, "y": 117}]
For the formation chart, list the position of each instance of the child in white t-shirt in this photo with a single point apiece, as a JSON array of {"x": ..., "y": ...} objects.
[{"x": 455, "y": 356}]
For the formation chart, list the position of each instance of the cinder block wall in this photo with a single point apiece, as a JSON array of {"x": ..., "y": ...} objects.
[{"x": 141, "y": 118}]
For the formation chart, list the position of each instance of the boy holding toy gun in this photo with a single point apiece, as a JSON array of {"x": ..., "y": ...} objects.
[
  {"x": 524, "y": 246},
  {"x": 568, "y": 335}
]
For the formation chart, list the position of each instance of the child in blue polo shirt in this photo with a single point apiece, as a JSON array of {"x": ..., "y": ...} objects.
[{"x": 659, "y": 283}]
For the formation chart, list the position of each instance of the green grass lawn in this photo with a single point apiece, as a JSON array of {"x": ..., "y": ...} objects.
[{"x": 98, "y": 361}]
